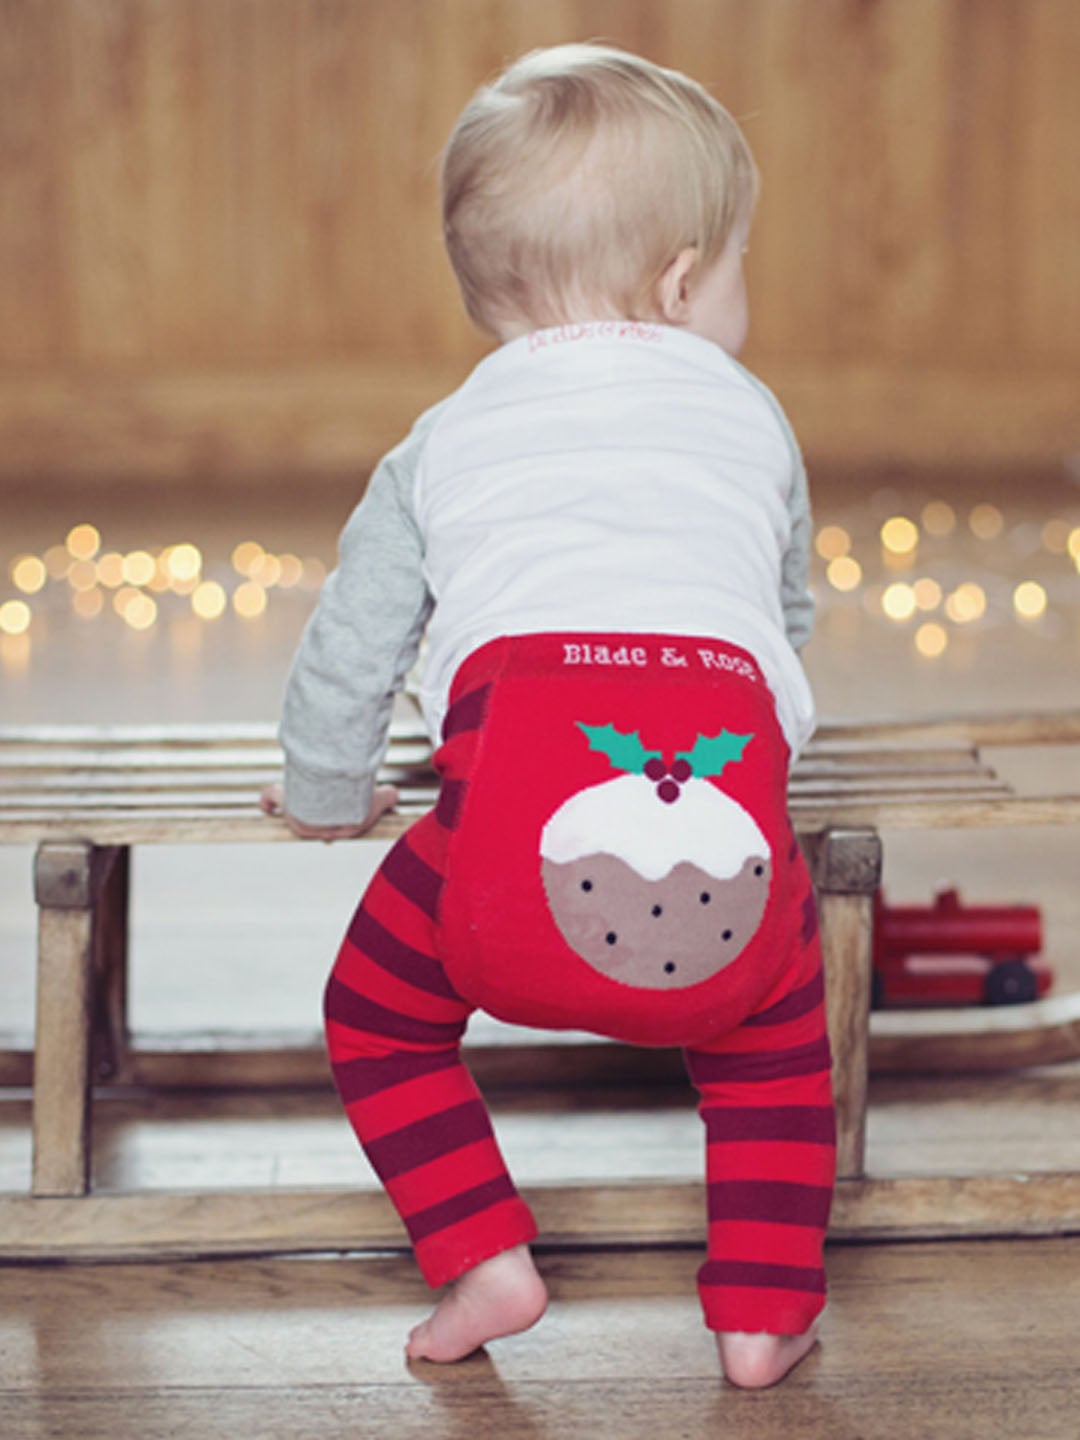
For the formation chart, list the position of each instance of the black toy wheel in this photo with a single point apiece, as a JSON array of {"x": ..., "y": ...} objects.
[
  {"x": 877, "y": 989},
  {"x": 1010, "y": 983}
]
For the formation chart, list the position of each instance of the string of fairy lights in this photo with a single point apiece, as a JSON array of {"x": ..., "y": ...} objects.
[
  {"x": 911, "y": 571},
  {"x": 136, "y": 585},
  {"x": 915, "y": 570}
]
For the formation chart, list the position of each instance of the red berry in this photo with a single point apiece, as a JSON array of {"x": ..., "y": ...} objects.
[
  {"x": 655, "y": 769},
  {"x": 681, "y": 771},
  {"x": 668, "y": 791}
]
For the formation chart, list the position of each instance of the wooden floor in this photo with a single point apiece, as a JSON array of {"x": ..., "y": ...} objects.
[{"x": 938, "y": 1342}]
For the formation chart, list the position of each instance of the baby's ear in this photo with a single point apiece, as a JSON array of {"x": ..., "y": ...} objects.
[{"x": 673, "y": 287}]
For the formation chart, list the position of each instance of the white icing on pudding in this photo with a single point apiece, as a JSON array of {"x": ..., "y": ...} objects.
[{"x": 626, "y": 818}]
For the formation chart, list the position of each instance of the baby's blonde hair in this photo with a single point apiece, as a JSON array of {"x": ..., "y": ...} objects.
[{"x": 572, "y": 181}]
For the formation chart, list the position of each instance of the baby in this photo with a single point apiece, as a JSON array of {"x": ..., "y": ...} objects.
[{"x": 604, "y": 535}]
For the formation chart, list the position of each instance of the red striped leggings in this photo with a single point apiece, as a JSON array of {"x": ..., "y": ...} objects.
[{"x": 403, "y": 988}]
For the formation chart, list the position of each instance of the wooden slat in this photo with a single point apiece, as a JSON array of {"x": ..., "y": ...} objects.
[
  {"x": 937, "y": 814},
  {"x": 245, "y": 825},
  {"x": 79, "y": 770},
  {"x": 627, "y": 1213},
  {"x": 945, "y": 733},
  {"x": 16, "y": 1061},
  {"x": 970, "y": 1040},
  {"x": 239, "y": 795},
  {"x": 1046, "y": 1032},
  {"x": 876, "y": 786},
  {"x": 1061, "y": 727}
]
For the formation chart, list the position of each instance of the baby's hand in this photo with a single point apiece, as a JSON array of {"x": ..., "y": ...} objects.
[{"x": 272, "y": 802}]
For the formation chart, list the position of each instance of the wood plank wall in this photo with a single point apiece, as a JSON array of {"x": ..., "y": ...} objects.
[{"x": 219, "y": 251}]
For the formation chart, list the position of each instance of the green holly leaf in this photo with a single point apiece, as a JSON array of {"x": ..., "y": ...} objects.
[
  {"x": 712, "y": 752},
  {"x": 625, "y": 752}
]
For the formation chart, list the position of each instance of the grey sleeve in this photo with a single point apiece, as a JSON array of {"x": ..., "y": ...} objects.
[
  {"x": 795, "y": 596},
  {"x": 357, "y": 648}
]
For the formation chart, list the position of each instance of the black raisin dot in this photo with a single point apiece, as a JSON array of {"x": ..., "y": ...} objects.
[
  {"x": 657, "y": 909},
  {"x": 726, "y": 935},
  {"x": 586, "y": 885},
  {"x": 705, "y": 897},
  {"x": 759, "y": 869},
  {"x": 669, "y": 968},
  {"x": 611, "y": 937}
]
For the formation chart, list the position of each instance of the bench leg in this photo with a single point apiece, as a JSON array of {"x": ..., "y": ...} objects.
[
  {"x": 846, "y": 865},
  {"x": 68, "y": 882},
  {"x": 111, "y": 1036}
]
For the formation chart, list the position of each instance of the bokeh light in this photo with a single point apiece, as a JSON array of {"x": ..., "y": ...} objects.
[
  {"x": 83, "y": 542},
  {"x": 249, "y": 601},
  {"x": 966, "y": 603},
  {"x": 832, "y": 541},
  {"x": 939, "y": 519},
  {"x": 208, "y": 600},
  {"x": 28, "y": 574},
  {"x": 159, "y": 582},
  {"x": 1029, "y": 600},
  {"x": 125, "y": 596},
  {"x": 844, "y": 573},
  {"x": 82, "y": 575},
  {"x": 898, "y": 601},
  {"x": 15, "y": 617},
  {"x": 292, "y": 570},
  {"x": 931, "y": 639},
  {"x": 986, "y": 522},
  {"x": 246, "y": 555},
  {"x": 183, "y": 562},
  {"x": 141, "y": 613},
  {"x": 139, "y": 567},
  {"x": 927, "y": 593},
  {"x": 265, "y": 570},
  {"x": 110, "y": 570},
  {"x": 899, "y": 535},
  {"x": 88, "y": 604}
]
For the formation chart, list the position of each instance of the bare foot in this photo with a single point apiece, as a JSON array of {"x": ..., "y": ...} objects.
[
  {"x": 755, "y": 1361},
  {"x": 501, "y": 1296}
]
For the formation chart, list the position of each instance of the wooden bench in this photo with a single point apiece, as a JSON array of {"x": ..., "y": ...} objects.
[{"x": 84, "y": 797}]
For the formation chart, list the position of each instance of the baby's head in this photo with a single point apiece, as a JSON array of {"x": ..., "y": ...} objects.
[{"x": 587, "y": 183}]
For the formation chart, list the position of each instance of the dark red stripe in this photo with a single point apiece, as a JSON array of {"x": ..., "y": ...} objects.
[
  {"x": 794, "y": 1006},
  {"x": 805, "y": 1059},
  {"x": 429, "y": 1139},
  {"x": 414, "y": 878},
  {"x": 777, "y": 1202},
  {"x": 812, "y": 1124},
  {"x": 346, "y": 1007},
  {"x": 358, "y": 1078},
  {"x": 760, "y": 1275},
  {"x": 460, "y": 1207},
  {"x": 391, "y": 954},
  {"x": 468, "y": 713},
  {"x": 451, "y": 799}
]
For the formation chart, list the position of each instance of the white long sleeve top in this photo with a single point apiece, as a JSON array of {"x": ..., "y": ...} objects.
[{"x": 604, "y": 477}]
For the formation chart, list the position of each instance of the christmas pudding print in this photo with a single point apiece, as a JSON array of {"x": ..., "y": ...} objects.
[{"x": 657, "y": 879}]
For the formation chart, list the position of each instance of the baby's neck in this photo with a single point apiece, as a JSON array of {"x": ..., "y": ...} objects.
[{"x": 514, "y": 329}]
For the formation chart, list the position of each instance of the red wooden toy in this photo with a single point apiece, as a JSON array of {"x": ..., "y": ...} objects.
[{"x": 949, "y": 953}]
